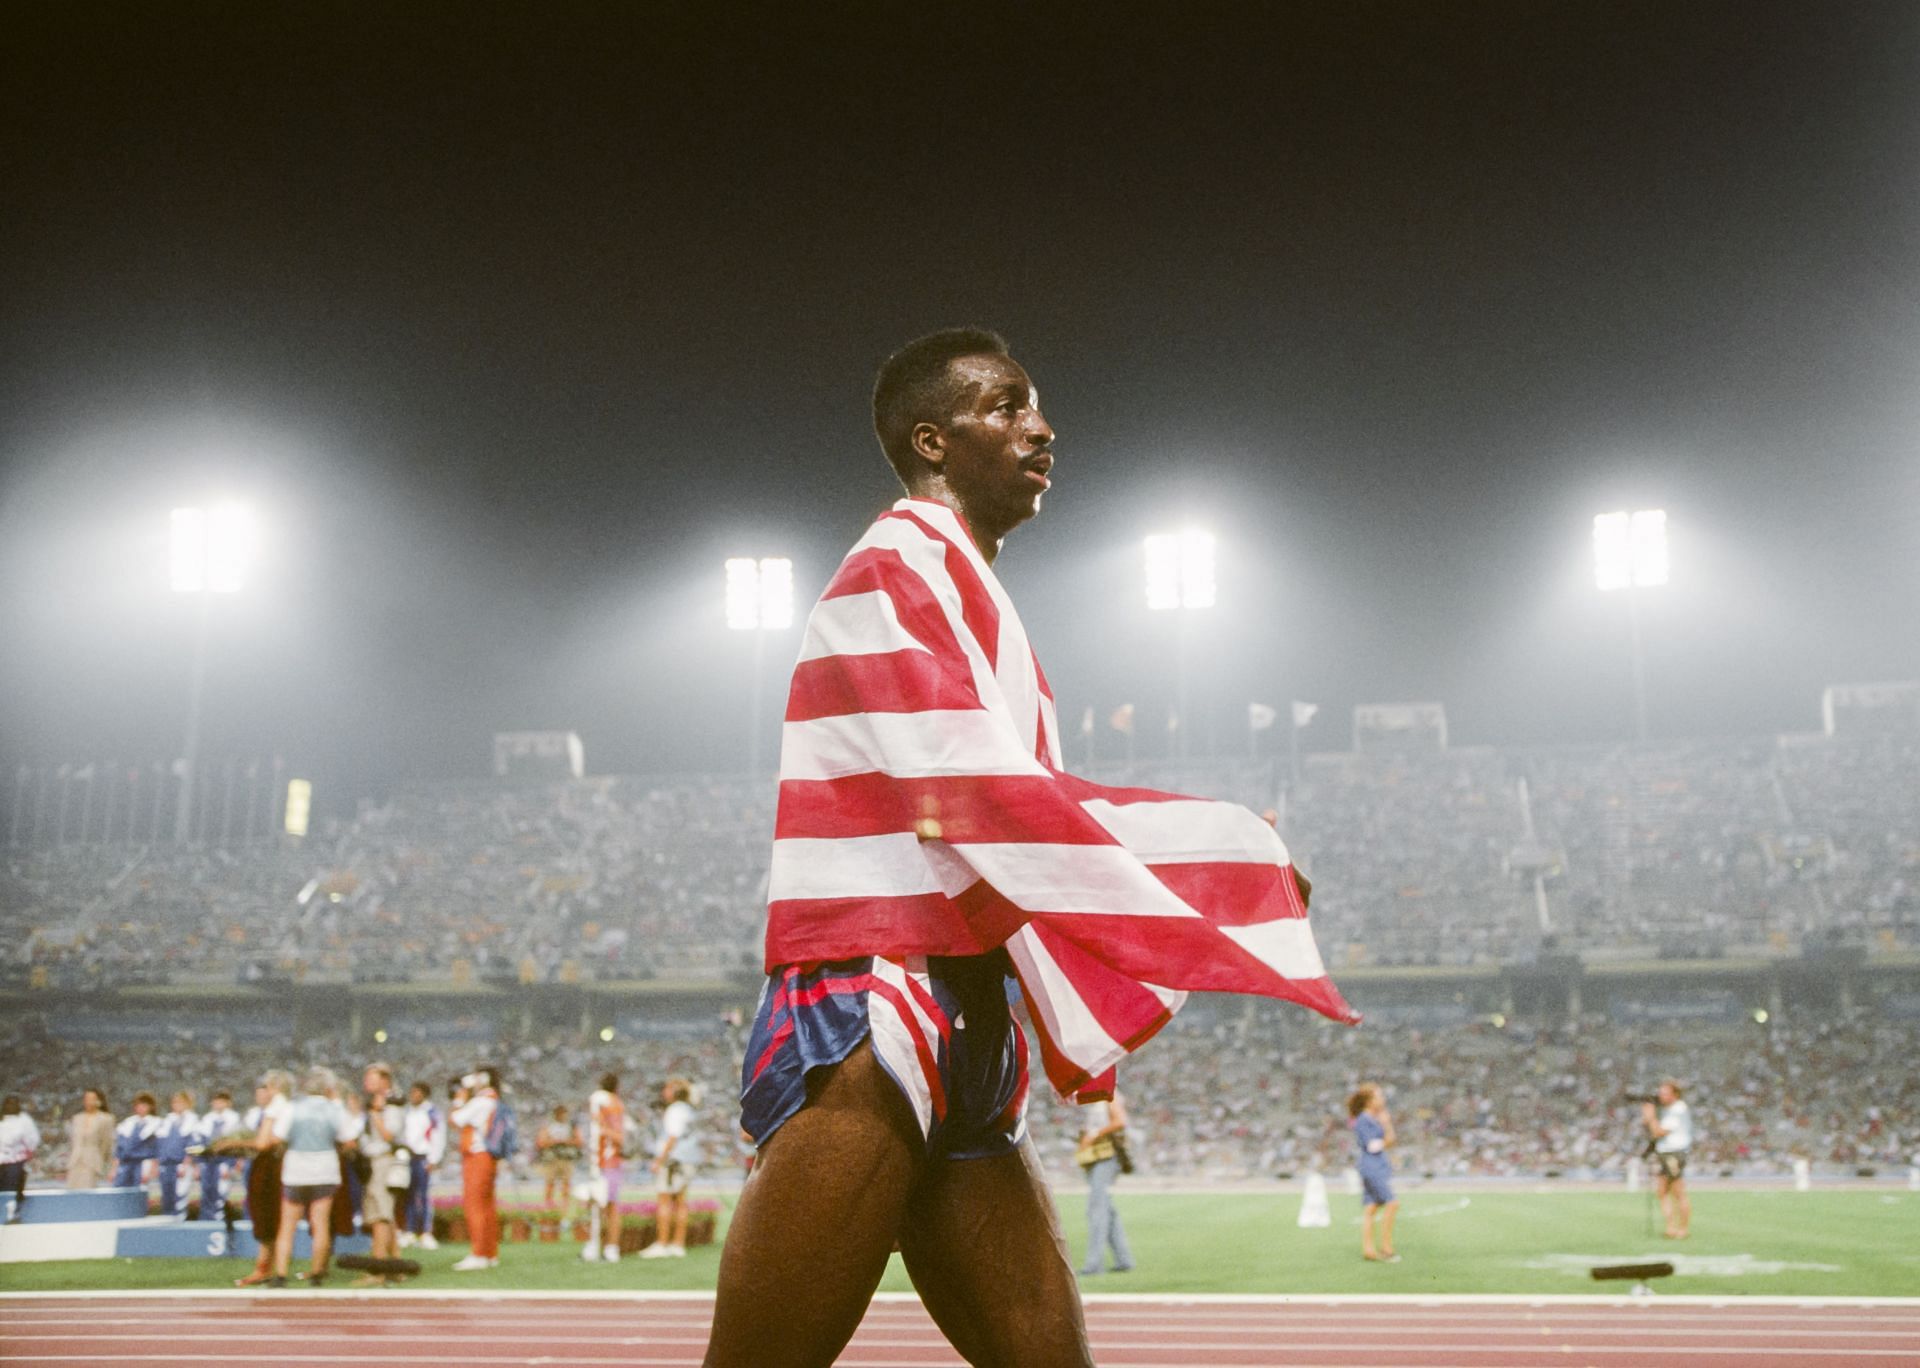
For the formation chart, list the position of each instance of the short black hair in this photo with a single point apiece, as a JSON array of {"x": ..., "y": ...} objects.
[
  {"x": 915, "y": 386},
  {"x": 11, "y": 1106},
  {"x": 610, "y": 1082}
]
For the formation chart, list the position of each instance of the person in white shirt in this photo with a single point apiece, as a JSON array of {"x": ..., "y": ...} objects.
[
  {"x": 1671, "y": 1127},
  {"x": 19, "y": 1138},
  {"x": 273, "y": 1103},
  {"x": 676, "y": 1155},
  {"x": 424, "y": 1135},
  {"x": 478, "y": 1098},
  {"x": 310, "y": 1175}
]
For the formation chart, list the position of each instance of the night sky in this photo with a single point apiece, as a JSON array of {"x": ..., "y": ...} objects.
[{"x": 511, "y": 321}]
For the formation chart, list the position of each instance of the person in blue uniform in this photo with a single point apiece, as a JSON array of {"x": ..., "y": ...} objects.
[
  {"x": 173, "y": 1137},
  {"x": 220, "y": 1120},
  {"x": 1372, "y": 1138},
  {"x": 135, "y": 1142}
]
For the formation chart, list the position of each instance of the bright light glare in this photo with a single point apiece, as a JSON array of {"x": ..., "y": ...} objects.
[
  {"x": 1630, "y": 549},
  {"x": 212, "y": 549},
  {"x": 1180, "y": 571},
  {"x": 759, "y": 593}
]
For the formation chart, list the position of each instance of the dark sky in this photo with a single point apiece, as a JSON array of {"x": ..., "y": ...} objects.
[{"x": 513, "y": 320}]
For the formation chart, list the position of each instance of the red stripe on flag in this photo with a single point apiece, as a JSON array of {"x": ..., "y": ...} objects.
[
  {"x": 883, "y": 570},
  {"x": 905, "y": 681},
  {"x": 1234, "y": 894},
  {"x": 970, "y": 809}
]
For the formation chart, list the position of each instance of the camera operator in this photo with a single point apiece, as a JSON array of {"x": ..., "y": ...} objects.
[{"x": 1670, "y": 1131}]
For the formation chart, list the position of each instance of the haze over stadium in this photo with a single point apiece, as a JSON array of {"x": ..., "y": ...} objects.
[{"x": 1486, "y": 438}]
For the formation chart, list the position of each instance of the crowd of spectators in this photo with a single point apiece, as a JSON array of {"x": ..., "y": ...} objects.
[{"x": 1675, "y": 850}]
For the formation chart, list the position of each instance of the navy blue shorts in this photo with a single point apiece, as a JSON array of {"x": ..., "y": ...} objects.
[
  {"x": 1377, "y": 1187},
  {"x": 941, "y": 1028}
]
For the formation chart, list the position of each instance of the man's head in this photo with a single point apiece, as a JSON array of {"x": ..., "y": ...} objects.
[
  {"x": 418, "y": 1093},
  {"x": 378, "y": 1078},
  {"x": 956, "y": 414},
  {"x": 1669, "y": 1092},
  {"x": 676, "y": 1090},
  {"x": 609, "y": 1082},
  {"x": 9, "y": 1105}
]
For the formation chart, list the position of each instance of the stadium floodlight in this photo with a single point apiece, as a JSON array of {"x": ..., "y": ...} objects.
[
  {"x": 1180, "y": 571},
  {"x": 1630, "y": 550},
  {"x": 759, "y": 593},
  {"x": 212, "y": 549}
]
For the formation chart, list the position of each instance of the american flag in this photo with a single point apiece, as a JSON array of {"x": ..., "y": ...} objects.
[{"x": 924, "y": 810}]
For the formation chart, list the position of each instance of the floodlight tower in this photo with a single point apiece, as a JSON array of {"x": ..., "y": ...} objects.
[
  {"x": 1181, "y": 579},
  {"x": 1630, "y": 553},
  {"x": 759, "y": 600},
  {"x": 212, "y": 550}
]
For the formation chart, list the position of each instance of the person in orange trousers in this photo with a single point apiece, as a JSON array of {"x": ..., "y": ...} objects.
[{"x": 476, "y": 1099}]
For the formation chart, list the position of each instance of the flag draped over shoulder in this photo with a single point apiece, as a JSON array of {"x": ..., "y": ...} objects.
[{"x": 924, "y": 811}]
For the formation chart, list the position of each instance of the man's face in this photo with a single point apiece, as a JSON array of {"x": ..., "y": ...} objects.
[
  {"x": 998, "y": 445},
  {"x": 1667, "y": 1095},
  {"x": 373, "y": 1082},
  {"x": 416, "y": 1095}
]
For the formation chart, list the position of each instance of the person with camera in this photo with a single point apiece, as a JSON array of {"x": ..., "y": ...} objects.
[
  {"x": 1103, "y": 1154},
  {"x": 1670, "y": 1131},
  {"x": 380, "y": 1173}
]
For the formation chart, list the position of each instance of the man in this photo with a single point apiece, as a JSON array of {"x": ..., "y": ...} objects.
[
  {"x": 931, "y": 855},
  {"x": 1103, "y": 1127},
  {"x": 557, "y": 1148},
  {"x": 425, "y": 1137},
  {"x": 172, "y": 1138},
  {"x": 379, "y": 1136},
  {"x": 1671, "y": 1128},
  {"x": 19, "y": 1138},
  {"x": 676, "y": 1155},
  {"x": 220, "y": 1120},
  {"x": 606, "y": 1143}
]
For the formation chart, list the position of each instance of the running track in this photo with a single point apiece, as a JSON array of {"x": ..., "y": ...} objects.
[{"x": 422, "y": 1329}]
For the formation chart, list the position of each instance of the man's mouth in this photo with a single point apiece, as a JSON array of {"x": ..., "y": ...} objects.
[{"x": 1037, "y": 470}]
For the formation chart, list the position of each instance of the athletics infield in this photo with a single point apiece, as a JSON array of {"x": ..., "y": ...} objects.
[{"x": 668, "y": 1330}]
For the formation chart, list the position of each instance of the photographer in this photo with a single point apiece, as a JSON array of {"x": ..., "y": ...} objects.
[
  {"x": 1102, "y": 1154},
  {"x": 381, "y": 1174},
  {"x": 1670, "y": 1130}
]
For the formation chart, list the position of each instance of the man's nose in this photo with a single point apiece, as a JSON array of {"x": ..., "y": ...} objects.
[{"x": 1039, "y": 430}]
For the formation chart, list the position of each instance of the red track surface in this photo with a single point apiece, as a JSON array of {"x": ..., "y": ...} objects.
[{"x": 297, "y": 1327}]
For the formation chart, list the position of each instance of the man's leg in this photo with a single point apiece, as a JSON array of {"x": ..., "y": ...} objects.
[
  {"x": 1664, "y": 1187},
  {"x": 983, "y": 1245},
  {"x": 813, "y": 1229},
  {"x": 1683, "y": 1208}
]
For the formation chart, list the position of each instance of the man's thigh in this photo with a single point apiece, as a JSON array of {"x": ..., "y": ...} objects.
[
  {"x": 816, "y": 1222},
  {"x": 982, "y": 1242}
]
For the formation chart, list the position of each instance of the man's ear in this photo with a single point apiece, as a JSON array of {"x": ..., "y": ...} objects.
[{"x": 929, "y": 443}]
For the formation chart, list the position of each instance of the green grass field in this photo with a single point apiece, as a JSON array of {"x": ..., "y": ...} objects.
[{"x": 1843, "y": 1243}]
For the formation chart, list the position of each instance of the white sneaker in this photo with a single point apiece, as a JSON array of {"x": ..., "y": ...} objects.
[
  {"x": 474, "y": 1261},
  {"x": 613, "y": 1254},
  {"x": 428, "y": 1242},
  {"x": 406, "y": 1239},
  {"x": 493, "y": 1262},
  {"x": 590, "y": 1253},
  {"x": 656, "y": 1251},
  {"x": 676, "y": 1251}
]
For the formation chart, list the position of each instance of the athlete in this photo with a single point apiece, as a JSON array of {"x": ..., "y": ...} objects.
[{"x": 885, "y": 1081}]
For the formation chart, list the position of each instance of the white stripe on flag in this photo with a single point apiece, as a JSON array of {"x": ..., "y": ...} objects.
[
  {"x": 1284, "y": 945},
  {"x": 1189, "y": 831},
  {"x": 1064, "y": 1015},
  {"x": 916, "y": 968},
  {"x": 905, "y": 745},
  {"x": 853, "y": 867},
  {"x": 857, "y": 624},
  {"x": 1045, "y": 877}
]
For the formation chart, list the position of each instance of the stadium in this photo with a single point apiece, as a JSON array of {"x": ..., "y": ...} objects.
[{"x": 491, "y": 877}]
